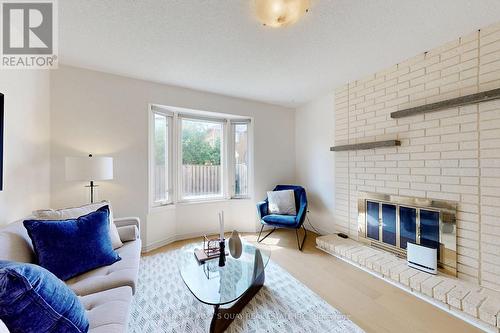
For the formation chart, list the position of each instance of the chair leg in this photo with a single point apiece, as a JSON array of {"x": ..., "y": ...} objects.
[
  {"x": 258, "y": 238},
  {"x": 301, "y": 246}
]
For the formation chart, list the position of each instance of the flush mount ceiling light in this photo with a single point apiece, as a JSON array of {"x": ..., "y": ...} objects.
[{"x": 279, "y": 13}]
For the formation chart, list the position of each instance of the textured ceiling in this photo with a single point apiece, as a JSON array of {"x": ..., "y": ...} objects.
[{"x": 218, "y": 46}]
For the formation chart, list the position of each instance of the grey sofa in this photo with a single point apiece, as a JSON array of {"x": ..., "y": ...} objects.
[{"x": 105, "y": 292}]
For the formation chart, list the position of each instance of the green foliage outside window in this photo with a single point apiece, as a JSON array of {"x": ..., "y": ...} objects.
[{"x": 200, "y": 143}]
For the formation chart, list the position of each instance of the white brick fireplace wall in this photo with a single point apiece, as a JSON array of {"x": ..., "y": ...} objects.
[{"x": 451, "y": 154}]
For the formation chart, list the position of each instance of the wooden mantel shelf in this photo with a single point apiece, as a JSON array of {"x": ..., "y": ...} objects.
[
  {"x": 459, "y": 101},
  {"x": 367, "y": 145}
]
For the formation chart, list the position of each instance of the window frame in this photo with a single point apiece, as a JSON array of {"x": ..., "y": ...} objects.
[
  {"x": 232, "y": 149},
  {"x": 175, "y": 116},
  {"x": 169, "y": 154}
]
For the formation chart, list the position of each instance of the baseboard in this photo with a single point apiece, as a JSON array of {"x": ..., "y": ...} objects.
[
  {"x": 158, "y": 244},
  {"x": 175, "y": 238},
  {"x": 319, "y": 230}
]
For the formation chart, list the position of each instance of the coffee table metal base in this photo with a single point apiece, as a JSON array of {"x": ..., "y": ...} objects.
[{"x": 223, "y": 317}]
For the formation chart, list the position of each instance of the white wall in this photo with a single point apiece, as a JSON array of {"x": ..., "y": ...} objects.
[
  {"x": 108, "y": 115},
  {"x": 315, "y": 164},
  {"x": 26, "y": 143}
]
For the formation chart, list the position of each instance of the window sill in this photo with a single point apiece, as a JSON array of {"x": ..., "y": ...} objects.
[
  {"x": 202, "y": 201},
  {"x": 181, "y": 203},
  {"x": 212, "y": 200},
  {"x": 169, "y": 206}
]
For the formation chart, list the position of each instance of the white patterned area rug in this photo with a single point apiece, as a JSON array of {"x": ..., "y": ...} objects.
[{"x": 163, "y": 303}]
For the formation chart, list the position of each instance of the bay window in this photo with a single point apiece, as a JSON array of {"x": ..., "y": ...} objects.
[{"x": 197, "y": 156}]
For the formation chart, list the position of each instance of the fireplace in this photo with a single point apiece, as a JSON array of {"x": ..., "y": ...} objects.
[{"x": 389, "y": 222}]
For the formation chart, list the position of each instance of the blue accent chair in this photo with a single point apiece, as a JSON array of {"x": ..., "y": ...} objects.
[{"x": 285, "y": 221}]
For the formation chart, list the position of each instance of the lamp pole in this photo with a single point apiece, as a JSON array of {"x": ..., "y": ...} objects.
[{"x": 92, "y": 187}]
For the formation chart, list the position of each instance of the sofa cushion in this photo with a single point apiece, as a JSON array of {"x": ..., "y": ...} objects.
[
  {"x": 73, "y": 213},
  {"x": 128, "y": 233},
  {"x": 121, "y": 273},
  {"x": 34, "y": 300},
  {"x": 282, "y": 220},
  {"x": 71, "y": 247},
  {"x": 108, "y": 311},
  {"x": 15, "y": 244}
]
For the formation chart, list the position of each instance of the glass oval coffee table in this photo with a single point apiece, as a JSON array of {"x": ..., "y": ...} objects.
[{"x": 233, "y": 285}]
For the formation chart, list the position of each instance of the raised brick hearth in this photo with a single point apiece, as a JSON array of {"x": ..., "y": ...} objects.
[{"x": 479, "y": 306}]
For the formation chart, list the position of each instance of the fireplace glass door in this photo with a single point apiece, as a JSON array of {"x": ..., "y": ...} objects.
[
  {"x": 381, "y": 222},
  {"x": 389, "y": 224},
  {"x": 429, "y": 228},
  {"x": 408, "y": 226},
  {"x": 397, "y": 225},
  {"x": 372, "y": 220}
]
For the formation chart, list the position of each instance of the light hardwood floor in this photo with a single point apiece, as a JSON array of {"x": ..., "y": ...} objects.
[{"x": 374, "y": 305}]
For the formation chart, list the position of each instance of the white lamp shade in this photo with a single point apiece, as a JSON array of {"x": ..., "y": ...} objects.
[{"x": 89, "y": 168}]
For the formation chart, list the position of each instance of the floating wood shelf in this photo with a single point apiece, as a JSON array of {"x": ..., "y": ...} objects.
[
  {"x": 367, "y": 145},
  {"x": 459, "y": 101}
]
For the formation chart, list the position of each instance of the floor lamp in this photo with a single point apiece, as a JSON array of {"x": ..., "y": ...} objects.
[{"x": 89, "y": 169}]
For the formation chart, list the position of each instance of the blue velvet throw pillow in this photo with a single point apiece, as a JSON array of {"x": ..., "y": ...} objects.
[
  {"x": 33, "y": 300},
  {"x": 71, "y": 247}
]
